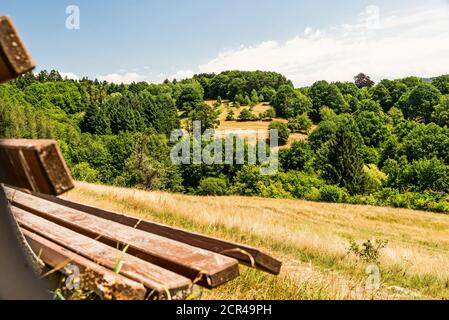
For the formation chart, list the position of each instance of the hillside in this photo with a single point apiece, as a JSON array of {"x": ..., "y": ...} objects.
[{"x": 311, "y": 238}]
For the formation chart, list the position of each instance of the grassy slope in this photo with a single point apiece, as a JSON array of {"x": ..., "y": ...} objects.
[{"x": 310, "y": 238}]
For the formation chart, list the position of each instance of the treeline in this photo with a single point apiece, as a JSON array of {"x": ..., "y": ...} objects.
[{"x": 380, "y": 144}]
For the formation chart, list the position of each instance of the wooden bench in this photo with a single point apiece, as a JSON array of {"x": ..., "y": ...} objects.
[{"x": 156, "y": 260}]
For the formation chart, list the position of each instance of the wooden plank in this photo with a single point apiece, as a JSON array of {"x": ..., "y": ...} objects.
[
  {"x": 208, "y": 268},
  {"x": 14, "y": 57},
  {"x": 245, "y": 254},
  {"x": 106, "y": 283},
  {"x": 151, "y": 276},
  {"x": 35, "y": 165}
]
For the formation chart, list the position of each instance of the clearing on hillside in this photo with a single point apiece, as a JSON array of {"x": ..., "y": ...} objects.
[{"x": 235, "y": 126}]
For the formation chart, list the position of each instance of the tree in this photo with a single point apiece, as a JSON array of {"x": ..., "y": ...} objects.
[
  {"x": 124, "y": 112},
  {"x": 247, "y": 101},
  {"x": 84, "y": 172},
  {"x": 372, "y": 128},
  {"x": 342, "y": 162},
  {"x": 213, "y": 187},
  {"x": 150, "y": 167},
  {"x": 420, "y": 102},
  {"x": 300, "y": 124},
  {"x": 236, "y": 87},
  {"x": 160, "y": 112},
  {"x": 383, "y": 97},
  {"x": 289, "y": 102},
  {"x": 370, "y": 106},
  {"x": 299, "y": 157},
  {"x": 268, "y": 115},
  {"x": 424, "y": 141},
  {"x": 362, "y": 81},
  {"x": 419, "y": 176},
  {"x": 230, "y": 116},
  {"x": 412, "y": 82},
  {"x": 239, "y": 99},
  {"x": 191, "y": 95},
  {"x": 254, "y": 97},
  {"x": 388, "y": 93},
  {"x": 349, "y": 88},
  {"x": 283, "y": 131},
  {"x": 268, "y": 94},
  {"x": 324, "y": 94},
  {"x": 207, "y": 115},
  {"x": 441, "y": 114},
  {"x": 246, "y": 115},
  {"x": 442, "y": 83},
  {"x": 95, "y": 121}
]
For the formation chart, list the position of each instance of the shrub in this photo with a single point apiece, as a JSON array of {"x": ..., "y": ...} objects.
[
  {"x": 213, "y": 187},
  {"x": 84, "y": 172},
  {"x": 375, "y": 178},
  {"x": 283, "y": 131},
  {"x": 312, "y": 195},
  {"x": 369, "y": 252},
  {"x": 268, "y": 115},
  {"x": 299, "y": 157},
  {"x": 332, "y": 194},
  {"x": 300, "y": 124},
  {"x": 230, "y": 116},
  {"x": 246, "y": 115}
]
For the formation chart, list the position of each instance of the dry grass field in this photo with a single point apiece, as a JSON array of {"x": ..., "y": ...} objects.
[
  {"x": 227, "y": 127},
  {"x": 312, "y": 240}
]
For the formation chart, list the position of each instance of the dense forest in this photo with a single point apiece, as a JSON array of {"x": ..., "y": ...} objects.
[{"x": 379, "y": 144}]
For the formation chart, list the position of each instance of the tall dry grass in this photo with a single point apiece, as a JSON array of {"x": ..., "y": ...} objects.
[{"x": 311, "y": 238}]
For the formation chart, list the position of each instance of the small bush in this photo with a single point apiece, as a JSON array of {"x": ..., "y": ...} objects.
[
  {"x": 283, "y": 131},
  {"x": 246, "y": 115},
  {"x": 332, "y": 194},
  {"x": 230, "y": 116},
  {"x": 213, "y": 187},
  {"x": 300, "y": 124},
  {"x": 375, "y": 178},
  {"x": 268, "y": 115},
  {"x": 369, "y": 252},
  {"x": 84, "y": 172},
  {"x": 312, "y": 195}
]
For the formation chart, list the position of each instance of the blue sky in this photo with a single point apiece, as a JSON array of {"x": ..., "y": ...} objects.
[{"x": 306, "y": 40}]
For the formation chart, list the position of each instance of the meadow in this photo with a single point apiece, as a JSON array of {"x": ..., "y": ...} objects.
[{"x": 312, "y": 239}]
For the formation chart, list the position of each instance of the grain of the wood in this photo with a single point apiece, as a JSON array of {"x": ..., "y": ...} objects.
[
  {"x": 107, "y": 284},
  {"x": 14, "y": 57},
  {"x": 208, "y": 268},
  {"x": 245, "y": 254},
  {"x": 36, "y": 165},
  {"x": 151, "y": 276}
]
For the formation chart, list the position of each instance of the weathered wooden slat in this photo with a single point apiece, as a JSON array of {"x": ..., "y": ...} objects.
[
  {"x": 14, "y": 57},
  {"x": 36, "y": 165},
  {"x": 106, "y": 283},
  {"x": 165, "y": 283},
  {"x": 245, "y": 254},
  {"x": 208, "y": 268}
]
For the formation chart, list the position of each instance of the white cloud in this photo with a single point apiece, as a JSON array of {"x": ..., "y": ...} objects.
[
  {"x": 383, "y": 45},
  {"x": 69, "y": 75},
  {"x": 127, "y": 77},
  {"x": 182, "y": 74}
]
